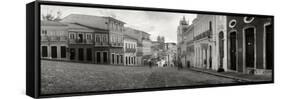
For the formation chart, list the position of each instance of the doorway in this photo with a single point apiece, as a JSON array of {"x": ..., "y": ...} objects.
[
  {"x": 105, "y": 57},
  {"x": 89, "y": 54},
  {"x": 72, "y": 54},
  {"x": 221, "y": 49},
  {"x": 98, "y": 57},
  {"x": 269, "y": 46},
  {"x": 250, "y": 47},
  {"x": 54, "y": 51},
  {"x": 233, "y": 47},
  {"x": 81, "y": 54}
]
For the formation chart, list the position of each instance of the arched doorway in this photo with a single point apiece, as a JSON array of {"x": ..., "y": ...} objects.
[{"x": 233, "y": 49}]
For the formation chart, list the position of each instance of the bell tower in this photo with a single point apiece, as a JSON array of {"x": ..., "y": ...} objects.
[{"x": 183, "y": 24}]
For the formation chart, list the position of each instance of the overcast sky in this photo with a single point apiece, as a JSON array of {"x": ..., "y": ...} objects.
[{"x": 155, "y": 23}]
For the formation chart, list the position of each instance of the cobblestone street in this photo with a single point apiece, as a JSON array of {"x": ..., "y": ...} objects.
[{"x": 67, "y": 77}]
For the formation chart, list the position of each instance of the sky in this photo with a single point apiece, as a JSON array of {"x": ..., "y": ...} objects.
[{"x": 155, "y": 23}]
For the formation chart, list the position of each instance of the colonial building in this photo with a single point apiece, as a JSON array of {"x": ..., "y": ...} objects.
[
  {"x": 181, "y": 47},
  {"x": 209, "y": 44},
  {"x": 88, "y": 44},
  {"x": 171, "y": 52},
  {"x": 143, "y": 44},
  {"x": 54, "y": 40},
  {"x": 188, "y": 55},
  {"x": 130, "y": 50},
  {"x": 250, "y": 44},
  {"x": 115, "y": 30}
]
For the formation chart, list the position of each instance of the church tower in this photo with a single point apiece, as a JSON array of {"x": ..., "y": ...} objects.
[{"x": 183, "y": 24}]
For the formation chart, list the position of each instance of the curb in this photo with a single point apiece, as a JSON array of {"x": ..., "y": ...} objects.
[{"x": 221, "y": 75}]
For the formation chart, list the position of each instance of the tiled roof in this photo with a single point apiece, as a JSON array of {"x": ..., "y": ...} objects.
[
  {"x": 76, "y": 26},
  {"x": 89, "y": 20},
  {"x": 129, "y": 37},
  {"x": 52, "y": 23},
  {"x": 92, "y": 21}
]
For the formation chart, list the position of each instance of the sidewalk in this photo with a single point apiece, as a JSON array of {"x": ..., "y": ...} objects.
[{"x": 235, "y": 75}]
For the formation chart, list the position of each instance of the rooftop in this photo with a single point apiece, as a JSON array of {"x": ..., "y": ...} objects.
[
  {"x": 89, "y": 20},
  {"x": 52, "y": 23}
]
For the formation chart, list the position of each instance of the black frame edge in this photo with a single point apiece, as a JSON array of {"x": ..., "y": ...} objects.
[{"x": 31, "y": 71}]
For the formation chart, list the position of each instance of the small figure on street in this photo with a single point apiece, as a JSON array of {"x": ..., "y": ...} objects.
[
  {"x": 150, "y": 64},
  {"x": 179, "y": 65}
]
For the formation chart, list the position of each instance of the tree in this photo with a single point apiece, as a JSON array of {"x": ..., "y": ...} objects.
[{"x": 52, "y": 17}]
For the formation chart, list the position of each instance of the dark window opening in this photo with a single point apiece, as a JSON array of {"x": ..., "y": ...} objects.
[
  {"x": 72, "y": 54},
  {"x": 54, "y": 52},
  {"x": 112, "y": 58},
  {"x": 89, "y": 54},
  {"x": 105, "y": 57},
  {"x": 80, "y": 37},
  {"x": 63, "y": 51},
  {"x": 98, "y": 57},
  {"x": 81, "y": 54},
  {"x": 117, "y": 59},
  {"x": 44, "y": 51}
]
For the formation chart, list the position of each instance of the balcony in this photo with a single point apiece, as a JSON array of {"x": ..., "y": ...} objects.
[
  {"x": 205, "y": 34},
  {"x": 80, "y": 41},
  {"x": 101, "y": 43},
  {"x": 54, "y": 38},
  {"x": 130, "y": 50},
  {"x": 115, "y": 44}
]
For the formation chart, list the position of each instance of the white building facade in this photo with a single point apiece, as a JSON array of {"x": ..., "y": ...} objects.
[
  {"x": 130, "y": 51},
  {"x": 208, "y": 47}
]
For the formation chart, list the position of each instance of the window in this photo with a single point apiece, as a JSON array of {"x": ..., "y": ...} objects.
[
  {"x": 116, "y": 39},
  {"x": 210, "y": 25},
  {"x": 248, "y": 19},
  {"x": 98, "y": 38},
  {"x": 44, "y": 32},
  {"x": 104, "y": 38},
  {"x": 54, "y": 52},
  {"x": 80, "y": 37},
  {"x": 44, "y": 51},
  {"x": 71, "y": 36},
  {"x": 232, "y": 23},
  {"x": 89, "y": 36},
  {"x": 63, "y": 51}
]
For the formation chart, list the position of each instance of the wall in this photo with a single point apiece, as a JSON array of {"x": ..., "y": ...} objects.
[{"x": 258, "y": 23}]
